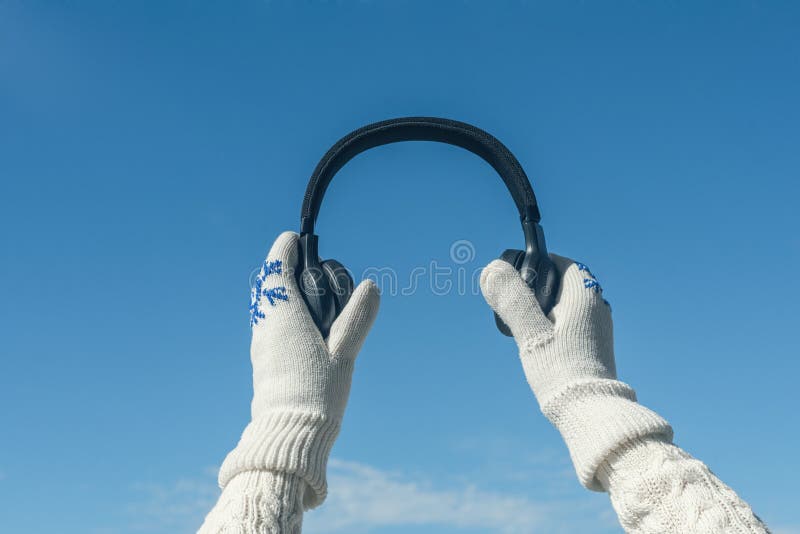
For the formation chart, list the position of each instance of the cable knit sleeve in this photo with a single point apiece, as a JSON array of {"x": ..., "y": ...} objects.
[
  {"x": 258, "y": 502},
  {"x": 656, "y": 487}
]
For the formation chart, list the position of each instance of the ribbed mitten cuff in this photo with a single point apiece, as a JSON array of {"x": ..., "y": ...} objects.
[
  {"x": 292, "y": 442},
  {"x": 595, "y": 417}
]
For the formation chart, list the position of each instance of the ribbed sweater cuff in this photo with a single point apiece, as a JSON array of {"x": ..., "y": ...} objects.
[
  {"x": 290, "y": 442},
  {"x": 595, "y": 417}
]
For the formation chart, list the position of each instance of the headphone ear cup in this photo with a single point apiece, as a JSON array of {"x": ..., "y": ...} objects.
[
  {"x": 316, "y": 291},
  {"x": 541, "y": 275},
  {"x": 546, "y": 283},
  {"x": 340, "y": 282},
  {"x": 512, "y": 256},
  {"x": 311, "y": 280}
]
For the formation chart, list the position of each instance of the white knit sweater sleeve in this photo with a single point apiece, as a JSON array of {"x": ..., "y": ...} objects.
[
  {"x": 656, "y": 487},
  {"x": 258, "y": 502}
]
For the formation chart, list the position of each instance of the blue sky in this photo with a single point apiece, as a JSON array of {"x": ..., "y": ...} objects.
[{"x": 151, "y": 151}]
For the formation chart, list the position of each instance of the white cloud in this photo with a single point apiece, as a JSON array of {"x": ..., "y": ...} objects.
[
  {"x": 362, "y": 498},
  {"x": 177, "y": 507}
]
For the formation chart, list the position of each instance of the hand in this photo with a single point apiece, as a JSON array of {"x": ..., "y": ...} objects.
[
  {"x": 301, "y": 381},
  {"x": 575, "y": 342},
  {"x": 568, "y": 359}
]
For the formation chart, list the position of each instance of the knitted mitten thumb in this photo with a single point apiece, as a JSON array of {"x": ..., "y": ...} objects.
[
  {"x": 301, "y": 381},
  {"x": 568, "y": 359}
]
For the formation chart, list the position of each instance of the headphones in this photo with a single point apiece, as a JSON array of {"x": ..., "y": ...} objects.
[{"x": 327, "y": 286}]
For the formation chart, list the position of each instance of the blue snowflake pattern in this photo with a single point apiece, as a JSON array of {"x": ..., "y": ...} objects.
[
  {"x": 583, "y": 267},
  {"x": 591, "y": 282},
  {"x": 273, "y": 267},
  {"x": 275, "y": 293},
  {"x": 272, "y": 294},
  {"x": 255, "y": 299}
]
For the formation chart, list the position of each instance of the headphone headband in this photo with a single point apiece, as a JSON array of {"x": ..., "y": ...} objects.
[{"x": 446, "y": 131}]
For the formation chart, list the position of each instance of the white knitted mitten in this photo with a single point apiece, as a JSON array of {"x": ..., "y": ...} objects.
[
  {"x": 568, "y": 358},
  {"x": 615, "y": 443},
  {"x": 301, "y": 381}
]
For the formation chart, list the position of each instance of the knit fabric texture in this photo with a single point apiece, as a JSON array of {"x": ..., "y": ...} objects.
[
  {"x": 568, "y": 359},
  {"x": 616, "y": 444},
  {"x": 258, "y": 502},
  {"x": 301, "y": 382},
  {"x": 656, "y": 487}
]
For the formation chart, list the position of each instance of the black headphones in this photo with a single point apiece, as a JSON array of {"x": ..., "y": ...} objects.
[{"x": 327, "y": 285}]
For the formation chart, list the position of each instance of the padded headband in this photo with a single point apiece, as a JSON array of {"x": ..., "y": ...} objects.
[{"x": 446, "y": 131}]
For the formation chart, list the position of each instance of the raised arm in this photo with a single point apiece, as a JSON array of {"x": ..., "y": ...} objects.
[
  {"x": 616, "y": 444},
  {"x": 301, "y": 383}
]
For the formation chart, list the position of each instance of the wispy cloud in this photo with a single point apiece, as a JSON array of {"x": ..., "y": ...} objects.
[
  {"x": 177, "y": 507},
  {"x": 364, "y": 498}
]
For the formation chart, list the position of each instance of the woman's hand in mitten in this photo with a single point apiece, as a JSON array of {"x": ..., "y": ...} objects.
[
  {"x": 301, "y": 381},
  {"x": 568, "y": 359}
]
